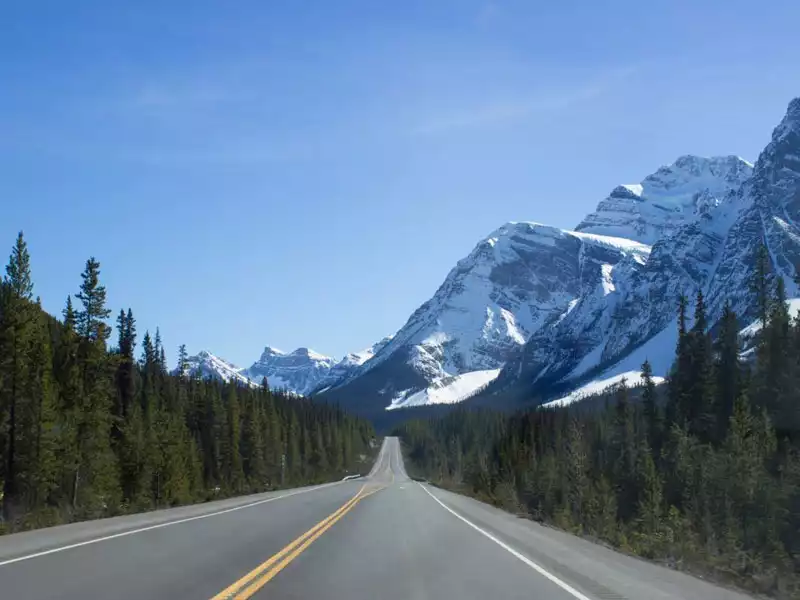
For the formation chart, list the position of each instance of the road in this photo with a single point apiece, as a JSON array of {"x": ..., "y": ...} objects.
[{"x": 379, "y": 537}]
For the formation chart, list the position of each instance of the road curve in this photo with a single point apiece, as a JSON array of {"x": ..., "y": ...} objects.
[{"x": 380, "y": 537}]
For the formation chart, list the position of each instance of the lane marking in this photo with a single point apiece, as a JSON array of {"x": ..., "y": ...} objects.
[
  {"x": 245, "y": 587},
  {"x": 160, "y": 525},
  {"x": 239, "y": 583},
  {"x": 560, "y": 583}
]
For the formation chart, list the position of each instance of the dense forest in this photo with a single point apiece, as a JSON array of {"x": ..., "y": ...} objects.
[
  {"x": 88, "y": 431},
  {"x": 702, "y": 472}
]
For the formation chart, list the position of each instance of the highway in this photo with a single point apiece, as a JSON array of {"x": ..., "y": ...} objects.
[{"x": 379, "y": 537}]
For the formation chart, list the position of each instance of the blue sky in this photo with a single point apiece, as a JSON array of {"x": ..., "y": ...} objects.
[{"x": 306, "y": 173}]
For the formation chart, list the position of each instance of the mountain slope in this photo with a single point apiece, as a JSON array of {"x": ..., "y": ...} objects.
[
  {"x": 207, "y": 365},
  {"x": 533, "y": 298},
  {"x": 520, "y": 278},
  {"x": 715, "y": 253},
  {"x": 299, "y": 372},
  {"x": 675, "y": 195}
]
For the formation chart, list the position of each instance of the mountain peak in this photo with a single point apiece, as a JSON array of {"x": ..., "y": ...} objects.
[
  {"x": 674, "y": 195},
  {"x": 206, "y": 364}
]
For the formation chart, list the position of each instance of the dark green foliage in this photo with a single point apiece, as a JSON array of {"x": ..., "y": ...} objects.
[
  {"x": 88, "y": 432},
  {"x": 712, "y": 482}
]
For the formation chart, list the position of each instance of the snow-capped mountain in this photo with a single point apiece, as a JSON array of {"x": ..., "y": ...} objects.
[
  {"x": 674, "y": 195},
  {"x": 550, "y": 310},
  {"x": 519, "y": 279},
  {"x": 608, "y": 334},
  {"x": 348, "y": 367},
  {"x": 299, "y": 371},
  {"x": 540, "y": 312},
  {"x": 207, "y": 365}
]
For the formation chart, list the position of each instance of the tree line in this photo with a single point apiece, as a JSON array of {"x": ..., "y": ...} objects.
[
  {"x": 702, "y": 472},
  {"x": 88, "y": 430}
]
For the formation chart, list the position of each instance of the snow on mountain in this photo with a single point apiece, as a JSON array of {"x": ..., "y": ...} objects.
[
  {"x": 448, "y": 390},
  {"x": 520, "y": 278},
  {"x": 606, "y": 334},
  {"x": 598, "y": 386},
  {"x": 348, "y": 367},
  {"x": 771, "y": 217},
  {"x": 680, "y": 193},
  {"x": 554, "y": 311},
  {"x": 299, "y": 372},
  {"x": 209, "y": 366}
]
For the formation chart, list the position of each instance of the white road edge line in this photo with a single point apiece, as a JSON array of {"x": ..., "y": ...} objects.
[
  {"x": 563, "y": 585},
  {"x": 160, "y": 525}
]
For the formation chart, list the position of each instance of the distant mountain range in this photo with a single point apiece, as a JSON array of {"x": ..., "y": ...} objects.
[
  {"x": 301, "y": 372},
  {"x": 536, "y": 313}
]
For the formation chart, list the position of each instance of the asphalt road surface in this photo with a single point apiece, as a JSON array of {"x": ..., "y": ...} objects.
[{"x": 379, "y": 537}]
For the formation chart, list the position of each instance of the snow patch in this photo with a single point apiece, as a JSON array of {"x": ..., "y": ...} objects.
[
  {"x": 754, "y": 327},
  {"x": 632, "y": 378},
  {"x": 449, "y": 390},
  {"x": 608, "y": 282}
]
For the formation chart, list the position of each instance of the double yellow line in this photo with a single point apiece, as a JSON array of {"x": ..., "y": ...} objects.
[{"x": 256, "y": 579}]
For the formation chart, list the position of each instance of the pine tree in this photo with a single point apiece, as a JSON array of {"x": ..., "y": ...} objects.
[
  {"x": 679, "y": 379},
  {"x": 96, "y": 483},
  {"x": 652, "y": 412},
  {"x": 17, "y": 316},
  {"x": 698, "y": 407},
  {"x": 68, "y": 376},
  {"x": 91, "y": 320},
  {"x": 232, "y": 459},
  {"x": 126, "y": 369},
  {"x": 760, "y": 284},
  {"x": 773, "y": 382},
  {"x": 577, "y": 466},
  {"x": 727, "y": 369},
  {"x": 623, "y": 453},
  {"x": 253, "y": 449},
  {"x": 183, "y": 361},
  {"x": 651, "y": 509},
  {"x": 38, "y": 451}
]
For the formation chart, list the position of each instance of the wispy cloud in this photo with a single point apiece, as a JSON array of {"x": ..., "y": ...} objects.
[{"x": 503, "y": 112}]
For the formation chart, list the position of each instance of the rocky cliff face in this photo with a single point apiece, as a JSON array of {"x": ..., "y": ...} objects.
[
  {"x": 714, "y": 253},
  {"x": 521, "y": 278},
  {"x": 535, "y": 311},
  {"x": 675, "y": 195},
  {"x": 299, "y": 371}
]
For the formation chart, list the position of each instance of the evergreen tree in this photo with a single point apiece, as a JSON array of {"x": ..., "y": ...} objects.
[
  {"x": 698, "y": 407},
  {"x": 96, "y": 484},
  {"x": 17, "y": 321},
  {"x": 727, "y": 368},
  {"x": 760, "y": 284},
  {"x": 232, "y": 459},
  {"x": 679, "y": 387},
  {"x": 183, "y": 360},
  {"x": 652, "y": 412}
]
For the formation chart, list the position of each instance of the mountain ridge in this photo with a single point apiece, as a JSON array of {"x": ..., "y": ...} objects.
[{"x": 538, "y": 308}]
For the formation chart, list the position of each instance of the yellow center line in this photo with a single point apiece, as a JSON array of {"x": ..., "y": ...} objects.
[{"x": 268, "y": 569}]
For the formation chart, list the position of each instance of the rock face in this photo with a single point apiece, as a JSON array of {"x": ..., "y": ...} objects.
[
  {"x": 206, "y": 364},
  {"x": 697, "y": 224},
  {"x": 521, "y": 278},
  {"x": 299, "y": 372},
  {"x": 348, "y": 367},
  {"x": 714, "y": 253},
  {"x": 675, "y": 195},
  {"x": 534, "y": 312}
]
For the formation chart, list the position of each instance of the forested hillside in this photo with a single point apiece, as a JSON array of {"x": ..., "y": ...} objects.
[
  {"x": 89, "y": 431},
  {"x": 704, "y": 475}
]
